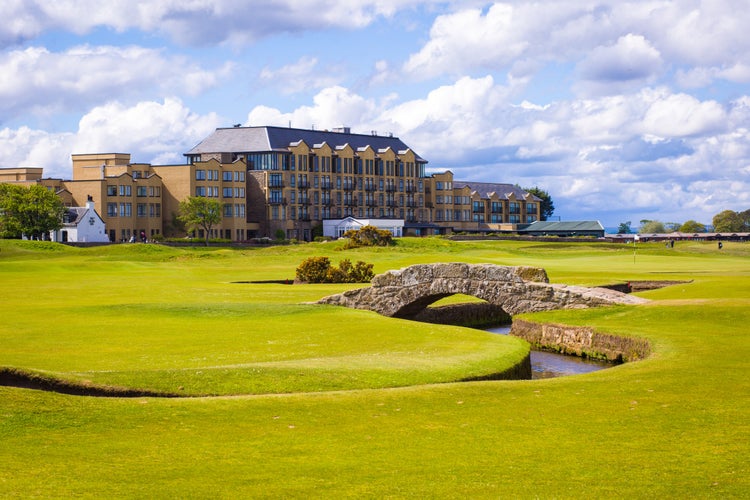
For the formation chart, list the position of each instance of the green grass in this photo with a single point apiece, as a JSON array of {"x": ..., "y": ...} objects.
[{"x": 675, "y": 425}]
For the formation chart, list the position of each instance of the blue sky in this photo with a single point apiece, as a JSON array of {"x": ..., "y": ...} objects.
[{"x": 622, "y": 110}]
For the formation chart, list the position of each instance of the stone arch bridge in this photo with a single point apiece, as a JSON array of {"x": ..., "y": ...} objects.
[{"x": 516, "y": 289}]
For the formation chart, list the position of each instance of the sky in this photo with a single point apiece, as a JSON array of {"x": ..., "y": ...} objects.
[{"x": 622, "y": 110}]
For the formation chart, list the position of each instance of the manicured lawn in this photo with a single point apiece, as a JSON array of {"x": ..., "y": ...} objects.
[{"x": 675, "y": 425}]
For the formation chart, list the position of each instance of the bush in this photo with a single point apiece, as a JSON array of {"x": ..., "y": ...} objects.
[
  {"x": 320, "y": 270},
  {"x": 368, "y": 236}
]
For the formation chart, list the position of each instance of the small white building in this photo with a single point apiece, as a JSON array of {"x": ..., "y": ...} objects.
[
  {"x": 81, "y": 225},
  {"x": 335, "y": 228}
]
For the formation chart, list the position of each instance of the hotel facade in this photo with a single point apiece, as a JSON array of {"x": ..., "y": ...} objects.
[{"x": 275, "y": 180}]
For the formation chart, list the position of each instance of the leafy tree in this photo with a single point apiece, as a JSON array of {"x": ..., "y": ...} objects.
[
  {"x": 624, "y": 228},
  {"x": 652, "y": 226},
  {"x": 730, "y": 221},
  {"x": 692, "y": 226},
  {"x": 546, "y": 206},
  {"x": 198, "y": 212},
  {"x": 32, "y": 211}
]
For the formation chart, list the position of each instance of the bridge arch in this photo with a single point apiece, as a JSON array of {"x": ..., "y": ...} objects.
[{"x": 515, "y": 289}]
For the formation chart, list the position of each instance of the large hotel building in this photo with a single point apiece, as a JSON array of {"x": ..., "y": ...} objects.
[{"x": 276, "y": 180}]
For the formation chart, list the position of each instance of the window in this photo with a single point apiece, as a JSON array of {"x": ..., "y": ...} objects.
[
  {"x": 262, "y": 161},
  {"x": 275, "y": 181},
  {"x": 111, "y": 190},
  {"x": 228, "y": 210},
  {"x": 531, "y": 207},
  {"x": 239, "y": 177},
  {"x": 239, "y": 210},
  {"x": 111, "y": 209},
  {"x": 141, "y": 191},
  {"x": 227, "y": 176},
  {"x": 200, "y": 190},
  {"x": 141, "y": 209},
  {"x": 125, "y": 190},
  {"x": 227, "y": 192},
  {"x": 275, "y": 196},
  {"x": 200, "y": 175},
  {"x": 239, "y": 192},
  {"x": 514, "y": 207},
  {"x": 126, "y": 209}
]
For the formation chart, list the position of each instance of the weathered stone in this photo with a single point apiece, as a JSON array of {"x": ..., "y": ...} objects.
[
  {"x": 581, "y": 341},
  {"x": 404, "y": 293}
]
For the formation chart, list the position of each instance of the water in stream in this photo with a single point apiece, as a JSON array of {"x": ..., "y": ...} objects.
[{"x": 546, "y": 364}]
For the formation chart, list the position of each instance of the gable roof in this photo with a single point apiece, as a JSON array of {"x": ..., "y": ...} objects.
[
  {"x": 485, "y": 189},
  {"x": 268, "y": 139}
]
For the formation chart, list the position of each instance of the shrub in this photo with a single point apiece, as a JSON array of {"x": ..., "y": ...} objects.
[
  {"x": 320, "y": 270},
  {"x": 280, "y": 234},
  {"x": 313, "y": 270},
  {"x": 368, "y": 236}
]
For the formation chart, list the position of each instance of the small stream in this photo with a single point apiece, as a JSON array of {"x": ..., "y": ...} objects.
[{"x": 545, "y": 364}]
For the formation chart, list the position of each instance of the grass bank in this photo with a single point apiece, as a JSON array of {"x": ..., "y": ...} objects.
[{"x": 673, "y": 425}]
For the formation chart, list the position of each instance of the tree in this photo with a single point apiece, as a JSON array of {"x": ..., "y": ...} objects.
[
  {"x": 32, "y": 211},
  {"x": 546, "y": 206},
  {"x": 692, "y": 226},
  {"x": 198, "y": 212},
  {"x": 730, "y": 221},
  {"x": 651, "y": 226},
  {"x": 624, "y": 228}
]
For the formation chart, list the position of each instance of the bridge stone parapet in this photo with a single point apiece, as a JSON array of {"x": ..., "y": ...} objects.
[{"x": 516, "y": 289}]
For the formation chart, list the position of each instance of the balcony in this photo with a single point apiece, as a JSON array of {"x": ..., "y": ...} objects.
[
  {"x": 349, "y": 186},
  {"x": 325, "y": 186},
  {"x": 276, "y": 183},
  {"x": 277, "y": 201},
  {"x": 371, "y": 188},
  {"x": 303, "y": 184},
  {"x": 304, "y": 200}
]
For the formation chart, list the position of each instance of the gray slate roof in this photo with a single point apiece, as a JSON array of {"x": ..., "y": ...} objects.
[
  {"x": 485, "y": 189},
  {"x": 74, "y": 215},
  {"x": 268, "y": 139}
]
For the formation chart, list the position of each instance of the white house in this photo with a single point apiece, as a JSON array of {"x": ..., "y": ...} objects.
[
  {"x": 336, "y": 228},
  {"x": 81, "y": 224}
]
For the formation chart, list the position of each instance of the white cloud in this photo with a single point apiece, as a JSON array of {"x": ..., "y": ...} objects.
[
  {"x": 302, "y": 75},
  {"x": 630, "y": 62},
  {"x": 616, "y": 41},
  {"x": 332, "y": 107},
  {"x": 152, "y": 132},
  {"x": 41, "y": 81},
  {"x": 682, "y": 115},
  {"x": 149, "y": 127},
  {"x": 191, "y": 22}
]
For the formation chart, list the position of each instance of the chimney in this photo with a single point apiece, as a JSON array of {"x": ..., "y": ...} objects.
[{"x": 90, "y": 202}]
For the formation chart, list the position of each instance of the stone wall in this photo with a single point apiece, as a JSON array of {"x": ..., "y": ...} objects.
[{"x": 581, "y": 341}]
